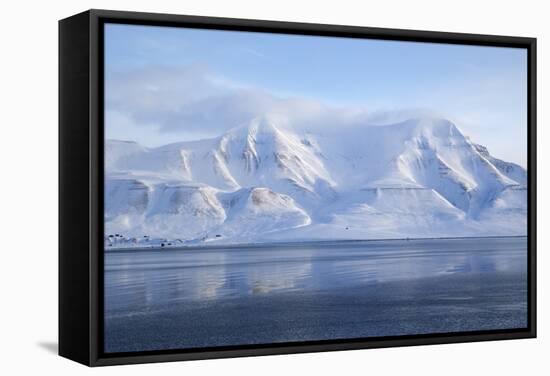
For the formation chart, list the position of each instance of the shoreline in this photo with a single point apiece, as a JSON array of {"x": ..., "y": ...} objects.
[{"x": 291, "y": 243}]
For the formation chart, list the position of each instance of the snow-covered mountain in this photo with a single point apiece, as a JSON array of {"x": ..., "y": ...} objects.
[{"x": 267, "y": 182}]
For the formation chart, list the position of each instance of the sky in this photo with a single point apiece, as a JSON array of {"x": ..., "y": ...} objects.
[{"x": 167, "y": 84}]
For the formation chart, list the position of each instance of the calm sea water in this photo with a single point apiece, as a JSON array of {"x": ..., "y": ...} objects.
[{"x": 175, "y": 299}]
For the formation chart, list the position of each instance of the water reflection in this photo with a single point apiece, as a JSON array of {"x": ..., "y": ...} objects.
[{"x": 142, "y": 281}]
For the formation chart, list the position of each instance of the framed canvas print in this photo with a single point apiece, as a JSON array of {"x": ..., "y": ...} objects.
[{"x": 236, "y": 187}]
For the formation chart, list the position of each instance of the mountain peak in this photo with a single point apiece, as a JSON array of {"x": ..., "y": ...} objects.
[
  {"x": 436, "y": 127},
  {"x": 256, "y": 126},
  {"x": 262, "y": 124}
]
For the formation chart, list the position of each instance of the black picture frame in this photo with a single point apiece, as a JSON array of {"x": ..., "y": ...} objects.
[{"x": 81, "y": 185}]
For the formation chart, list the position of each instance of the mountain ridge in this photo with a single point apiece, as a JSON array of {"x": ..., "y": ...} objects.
[{"x": 417, "y": 178}]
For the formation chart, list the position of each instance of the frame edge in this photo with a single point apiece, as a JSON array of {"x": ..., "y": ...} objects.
[{"x": 74, "y": 276}]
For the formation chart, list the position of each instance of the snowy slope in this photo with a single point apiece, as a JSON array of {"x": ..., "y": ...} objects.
[
  {"x": 253, "y": 211},
  {"x": 263, "y": 181}
]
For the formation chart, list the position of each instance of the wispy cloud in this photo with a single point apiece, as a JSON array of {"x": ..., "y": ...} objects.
[
  {"x": 253, "y": 52},
  {"x": 191, "y": 99}
]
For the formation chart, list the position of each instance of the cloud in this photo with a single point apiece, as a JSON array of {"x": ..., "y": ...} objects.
[
  {"x": 159, "y": 104},
  {"x": 175, "y": 99}
]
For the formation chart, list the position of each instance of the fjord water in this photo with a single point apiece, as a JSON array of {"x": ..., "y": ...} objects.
[{"x": 192, "y": 298}]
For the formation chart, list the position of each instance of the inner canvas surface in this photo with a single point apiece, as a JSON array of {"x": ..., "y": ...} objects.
[{"x": 273, "y": 188}]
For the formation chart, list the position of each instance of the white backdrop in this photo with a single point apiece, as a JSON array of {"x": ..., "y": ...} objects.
[{"x": 28, "y": 147}]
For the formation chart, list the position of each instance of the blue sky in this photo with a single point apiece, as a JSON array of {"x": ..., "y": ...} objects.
[{"x": 167, "y": 84}]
